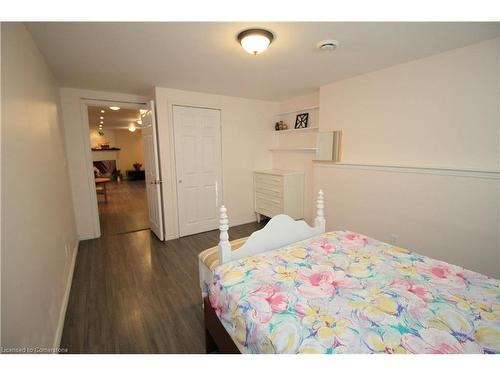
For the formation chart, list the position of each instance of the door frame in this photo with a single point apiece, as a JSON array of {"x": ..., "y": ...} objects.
[
  {"x": 85, "y": 131},
  {"x": 174, "y": 158}
]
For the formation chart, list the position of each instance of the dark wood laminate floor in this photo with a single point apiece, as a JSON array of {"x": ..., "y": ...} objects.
[
  {"x": 126, "y": 210},
  {"x": 132, "y": 293}
]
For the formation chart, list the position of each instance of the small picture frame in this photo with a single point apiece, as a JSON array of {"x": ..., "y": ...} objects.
[{"x": 301, "y": 120}]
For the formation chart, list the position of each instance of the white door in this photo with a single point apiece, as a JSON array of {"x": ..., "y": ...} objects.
[
  {"x": 197, "y": 135},
  {"x": 152, "y": 171}
]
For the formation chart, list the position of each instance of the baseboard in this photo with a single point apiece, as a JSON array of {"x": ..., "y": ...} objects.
[
  {"x": 62, "y": 313},
  {"x": 86, "y": 236},
  {"x": 170, "y": 237}
]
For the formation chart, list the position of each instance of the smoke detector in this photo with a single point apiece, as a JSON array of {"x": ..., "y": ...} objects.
[{"x": 328, "y": 45}]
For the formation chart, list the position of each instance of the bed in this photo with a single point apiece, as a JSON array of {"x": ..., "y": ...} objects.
[{"x": 290, "y": 288}]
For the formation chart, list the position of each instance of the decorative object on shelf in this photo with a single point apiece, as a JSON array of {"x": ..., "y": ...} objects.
[
  {"x": 301, "y": 120},
  {"x": 105, "y": 149},
  {"x": 281, "y": 126},
  {"x": 104, "y": 146},
  {"x": 137, "y": 166}
]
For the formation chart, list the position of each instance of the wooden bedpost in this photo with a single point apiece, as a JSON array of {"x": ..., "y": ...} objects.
[
  {"x": 224, "y": 245},
  {"x": 319, "y": 221}
]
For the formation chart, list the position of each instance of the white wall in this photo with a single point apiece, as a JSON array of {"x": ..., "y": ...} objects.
[
  {"x": 437, "y": 111},
  {"x": 131, "y": 149},
  {"x": 78, "y": 152},
  {"x": 38, "y": 229},
  {"x": 299, "y": 102},
  {"x": 440, "y": 111},
  {"x": 454, "y": 219},
  {"x": 246, "y": 136}
]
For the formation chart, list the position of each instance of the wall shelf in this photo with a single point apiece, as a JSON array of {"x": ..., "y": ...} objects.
[
  {"x": 295, "y": 149},
  {"x": 298, "y": 111},
  {"x": 288, "y": 131}
]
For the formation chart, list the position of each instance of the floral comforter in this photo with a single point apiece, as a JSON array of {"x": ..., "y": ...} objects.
[{"x": 345, "y": 293}]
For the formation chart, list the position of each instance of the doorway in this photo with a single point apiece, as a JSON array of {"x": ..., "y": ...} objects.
[
  {"x": 120, "y": 162},
  {"x": 198, "y": 161}
]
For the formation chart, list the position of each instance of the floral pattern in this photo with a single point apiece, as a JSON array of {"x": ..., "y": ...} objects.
[{"x": 343, "y": 292}]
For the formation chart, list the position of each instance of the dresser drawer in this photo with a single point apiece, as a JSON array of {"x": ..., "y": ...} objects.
[
  {"x": 274, "y": 191},
  {"x": 268, "y": 179},
  {"x": 268, "y": 200}
]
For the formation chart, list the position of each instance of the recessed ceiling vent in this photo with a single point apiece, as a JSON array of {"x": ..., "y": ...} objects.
[{"x": 327, "y": 45}]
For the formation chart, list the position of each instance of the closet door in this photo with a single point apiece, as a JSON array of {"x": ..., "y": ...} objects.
[{"x": 198, "y": 161}]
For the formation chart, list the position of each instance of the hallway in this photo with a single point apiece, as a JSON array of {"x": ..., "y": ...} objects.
[{"x": 126, "y": 210}]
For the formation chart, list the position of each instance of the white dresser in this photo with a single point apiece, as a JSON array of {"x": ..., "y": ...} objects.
[{"x": 279, "y": 192}]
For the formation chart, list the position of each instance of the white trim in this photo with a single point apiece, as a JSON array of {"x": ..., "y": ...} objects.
[
  {"x": 491, "y": 174},
  {"x": 85, "y": 129},
  {"x": 293, "y": 130},
  {"x": 86, "y": 236},
  {"x": 84, "y": 104},
  {"x": 62, "y": 313},
  {"x": 298, "y": 149}
]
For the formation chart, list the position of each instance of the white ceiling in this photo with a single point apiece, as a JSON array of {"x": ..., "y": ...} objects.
[{"x": 135, "y": 57}]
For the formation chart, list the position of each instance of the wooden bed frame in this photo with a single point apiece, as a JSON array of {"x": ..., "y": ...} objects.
[
  {"x": 280, "y": 231},
  {"x": 217, "y": 340}
]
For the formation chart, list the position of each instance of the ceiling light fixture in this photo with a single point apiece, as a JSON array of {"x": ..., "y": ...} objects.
[
  {"x": 142, "y": 111},
  {"x": 102, "y": 122},
  {"x": 131, "y": 128},
  {"x": 255, "y": 41},
  {"x": 139, "y": 122},
  {"x": 102, "y": 118},
  {"x": 102, "y": 111},
  {"x": 114, "y": 108}
]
